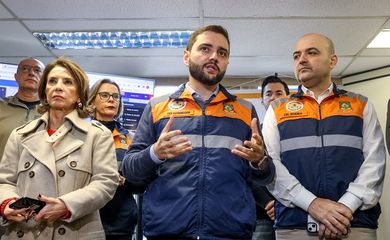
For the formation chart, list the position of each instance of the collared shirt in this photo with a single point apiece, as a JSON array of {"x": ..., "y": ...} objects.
[
  {"x": 290, "y": 192},
  {"x": 320, "y": 97},
  {"x": 198, "y": 97}
]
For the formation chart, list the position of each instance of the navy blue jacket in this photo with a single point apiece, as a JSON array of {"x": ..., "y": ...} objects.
[
  {"x": 119, "y": 216},
  {"x": 205, "y": 193}
]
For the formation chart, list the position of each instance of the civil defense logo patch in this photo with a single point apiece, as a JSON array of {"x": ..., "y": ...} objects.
[
  {"x": 228, "y": 108},
  {"x": 345, "y": 106},
  {"x": 294, "y": 106},
  {"x": 177, "y": 104}
]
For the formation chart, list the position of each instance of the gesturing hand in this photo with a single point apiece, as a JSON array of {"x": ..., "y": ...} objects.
[
  {"x": 171, "y": 144},
  {"x": 252, "y": 150}
]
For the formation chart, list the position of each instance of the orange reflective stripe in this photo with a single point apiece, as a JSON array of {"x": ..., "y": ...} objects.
[
  {"x": 189, "y": 108},
  {"x": 230, "y": 109},
  {"x": 306, "y": 108},
  {"x": 179, "y": 108},
  {"x": 344, "y": 106}
]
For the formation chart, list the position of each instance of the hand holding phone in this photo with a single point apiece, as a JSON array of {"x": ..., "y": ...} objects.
[{"x": 33, "y": 205}]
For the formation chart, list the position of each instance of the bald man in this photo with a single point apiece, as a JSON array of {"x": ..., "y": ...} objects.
[
  {"x": 20, "y": 108},
  {"x": 328, "y": 149}
]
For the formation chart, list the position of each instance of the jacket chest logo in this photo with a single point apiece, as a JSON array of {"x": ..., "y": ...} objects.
[
  {"x": 345, "y": 107},
  {"x": 228, "y": 108},
  {"x": 177, "y": 104},
  {"x": 294, "y": 106}
]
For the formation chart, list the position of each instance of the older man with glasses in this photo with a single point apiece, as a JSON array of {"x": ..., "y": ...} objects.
[{"x": 20, "y": 108}]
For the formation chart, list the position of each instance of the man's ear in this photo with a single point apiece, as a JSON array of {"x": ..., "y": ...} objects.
[
  {"x": 333, "y": 61},
  {"x": 186, "y": 57}
]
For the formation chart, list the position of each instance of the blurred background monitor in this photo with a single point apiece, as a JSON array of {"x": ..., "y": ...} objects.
[{"x": 8, "y": 85}]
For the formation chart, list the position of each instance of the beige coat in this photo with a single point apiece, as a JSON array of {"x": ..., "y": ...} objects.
[{"x": 77, "y": 164}]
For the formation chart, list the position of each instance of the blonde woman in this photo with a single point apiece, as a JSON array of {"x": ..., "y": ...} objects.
[{"x": 119, "y": 216}]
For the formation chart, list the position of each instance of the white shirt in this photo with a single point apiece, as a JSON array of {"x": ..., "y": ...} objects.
[{"x": 364, "y": 192}]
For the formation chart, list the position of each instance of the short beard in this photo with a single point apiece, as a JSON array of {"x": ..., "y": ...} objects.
[{"x": 196, "y": 71}]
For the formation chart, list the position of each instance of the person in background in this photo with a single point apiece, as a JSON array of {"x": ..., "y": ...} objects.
[
  {"x": 271, "y": 89},
  {"x": 197, "y": 150},
  {"x": 61, "y": 158},
  {"x": 18, "y": 109},
  {"x": 329, "y": 153},
  {"x": 119, "y": 216}
]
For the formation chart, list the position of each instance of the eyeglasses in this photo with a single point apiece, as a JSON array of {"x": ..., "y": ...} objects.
[
  {"x": 27, "y": 69},
  {"x": 105, "y": 96}
]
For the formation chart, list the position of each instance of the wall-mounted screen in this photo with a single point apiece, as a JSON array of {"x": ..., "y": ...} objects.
[{"x": 8, "y": 85}]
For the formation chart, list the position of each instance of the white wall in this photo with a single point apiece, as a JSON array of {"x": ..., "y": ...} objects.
[{"x": 378, "y": 92}]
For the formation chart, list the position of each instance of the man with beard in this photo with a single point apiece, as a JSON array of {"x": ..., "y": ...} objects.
[{"x": 197, "y": 151}]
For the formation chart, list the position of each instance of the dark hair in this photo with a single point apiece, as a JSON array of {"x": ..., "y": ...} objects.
[
  {"x": 211, "y": 28},
  {"x": 78, "y": 75},
  {"x": 273, "y": 79},
  {"x": 94, "y": 91}
]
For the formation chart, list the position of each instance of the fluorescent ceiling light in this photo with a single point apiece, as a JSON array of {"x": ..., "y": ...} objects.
[
  {"x": 382, "y": 40},
  {"x": 97, "y": 40}
]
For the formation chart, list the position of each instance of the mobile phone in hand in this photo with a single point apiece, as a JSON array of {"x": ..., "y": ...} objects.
[
  {"x": 312, "y": 225},
  {"x": 26, "y": 202}
]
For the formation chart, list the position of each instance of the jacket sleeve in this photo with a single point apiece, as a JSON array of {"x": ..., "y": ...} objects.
[
  {"x": 285, "y": 187},
  {"x": 138, "y": 166},
  {"x": 261, "y": 194},
  {"x": 9, "y": 168},
  {"x": 103, "y": 182},
  {"x": 364, "y": 192}
]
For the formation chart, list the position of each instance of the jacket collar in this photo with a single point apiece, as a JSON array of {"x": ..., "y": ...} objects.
[
  {"x": 71, "y": 119},
  {"x": 336, "y": 91},
  {"x": 222, "y": 94},
  {"x": 13, "y": 100}
]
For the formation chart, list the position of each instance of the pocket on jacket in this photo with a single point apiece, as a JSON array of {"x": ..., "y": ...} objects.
[{"x": 79, "y": 170}]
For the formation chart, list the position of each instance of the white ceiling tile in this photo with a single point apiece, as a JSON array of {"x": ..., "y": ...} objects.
[
  {"x": 260, "y": 66},
  {"x": 100, "y": 25},
  {"x": 375, "y": 52},
  {"x": 18, "y": 41},
  {"x": 263, "y": 33},
  {"x": 4, "y": 13},
  {"x": 100, "y": 9},
  {"x": 274, "y": 37},
  {"x": 361, "y": 64},
  {"x": 295, "y": 8}
]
